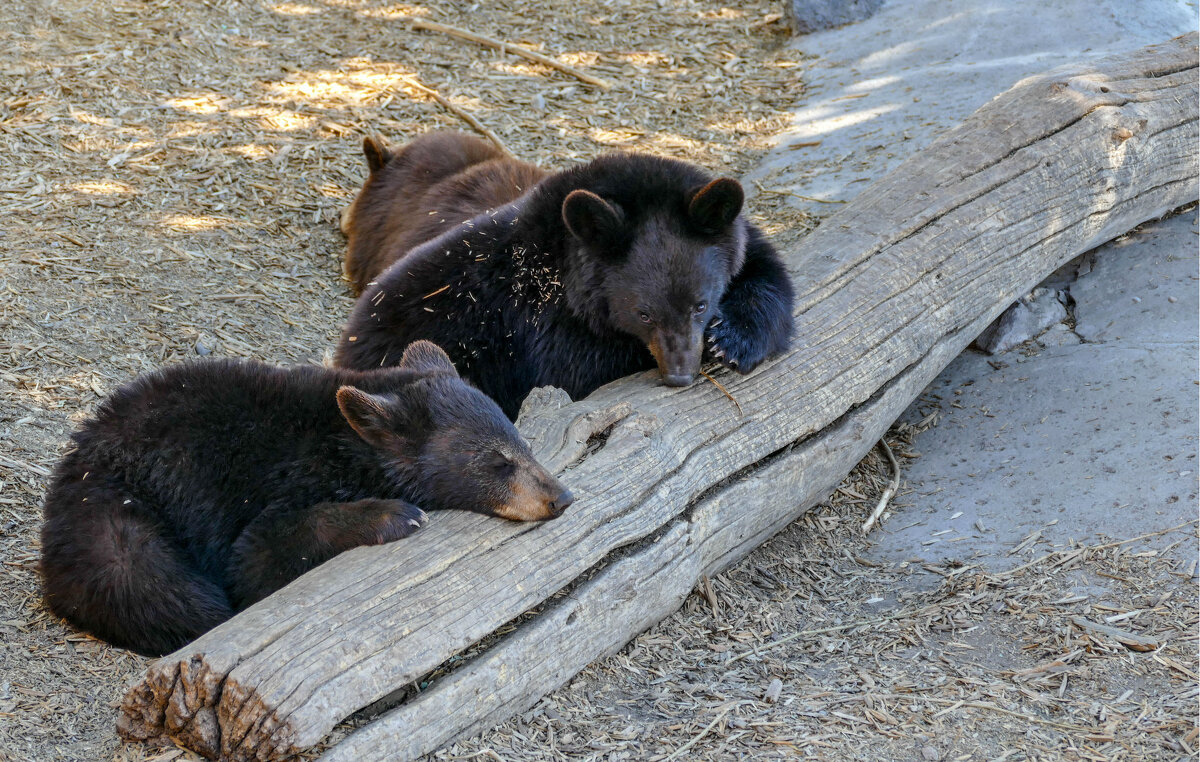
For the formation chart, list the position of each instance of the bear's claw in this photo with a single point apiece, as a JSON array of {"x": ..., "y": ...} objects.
[
  {"x": 400, "y": 522},
  {"x": 734, "y": 349}
]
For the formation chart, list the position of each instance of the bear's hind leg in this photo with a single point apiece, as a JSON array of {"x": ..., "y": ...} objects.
[
  {"x": 285, "y": 541},
  {"x": 110, "y": 568}
]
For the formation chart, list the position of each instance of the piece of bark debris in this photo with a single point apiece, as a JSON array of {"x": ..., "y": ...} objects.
[
  {"x": 1128, "y": 639},
  {"x": 774, "y": 689}
]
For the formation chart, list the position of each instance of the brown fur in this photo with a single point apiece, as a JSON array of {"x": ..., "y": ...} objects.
[
  {"x": 433, "y": 184},
  {"x": 524, "y": 501}
]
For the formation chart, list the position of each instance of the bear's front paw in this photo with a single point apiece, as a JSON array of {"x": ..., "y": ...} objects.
[
  {"x": 396, "y": 521},
  {"x": 732, "y": 347}
]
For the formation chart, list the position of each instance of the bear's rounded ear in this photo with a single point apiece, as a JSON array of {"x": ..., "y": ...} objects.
[
  {"x": 426, "y": 356},
  {"x": 715, "y": 206},
  {"x": 377, "y": 152},
  {"x": 590, "y": 218},
  {"x": 368, "y": 414}
]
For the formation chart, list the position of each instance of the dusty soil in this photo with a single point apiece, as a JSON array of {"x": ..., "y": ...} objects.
[{"x": 170, "y": 180}]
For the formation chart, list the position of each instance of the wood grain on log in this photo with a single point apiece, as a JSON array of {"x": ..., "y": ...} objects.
[{"x": 670, "y": 485}]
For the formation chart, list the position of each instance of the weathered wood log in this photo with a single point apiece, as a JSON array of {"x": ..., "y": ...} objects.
[{"x": 672, "y": 484}]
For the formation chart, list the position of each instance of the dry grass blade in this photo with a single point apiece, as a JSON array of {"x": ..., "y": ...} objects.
[
  {"x": 793, "y": 194},
  {"x": 724, "y": 391},
  {"x": 696, "y": 739}
]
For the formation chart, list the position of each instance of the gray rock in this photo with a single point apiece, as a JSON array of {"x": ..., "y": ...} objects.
[
  {"x": 1145, "y": 290},
  {"x": 1059, "y": 335},
  {"x": 1025, "y": 319},
  {"x": 814, "y": 15},
  {"x": 1081, "y": 440},
  {"x": 879, "y": 90}
]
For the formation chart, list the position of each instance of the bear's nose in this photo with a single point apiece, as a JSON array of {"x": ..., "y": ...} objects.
[
  {"x": 560, "y": 503},
  {"x": 677, "y": 379}
]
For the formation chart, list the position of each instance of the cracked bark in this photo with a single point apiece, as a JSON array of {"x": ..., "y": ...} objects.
[{"x": 891, "y": 289}]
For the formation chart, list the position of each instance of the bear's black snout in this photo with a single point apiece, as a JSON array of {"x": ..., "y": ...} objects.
[
  {"x": 677, "y": 351},
  {"x": 561, "y": 503},
  {"x": 680, "y": 363}
]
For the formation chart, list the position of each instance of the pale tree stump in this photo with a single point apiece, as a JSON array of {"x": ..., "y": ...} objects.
[{"x": 674, "y": 484}]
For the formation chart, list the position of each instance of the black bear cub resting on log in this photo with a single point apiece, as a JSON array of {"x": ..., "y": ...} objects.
[
  {"x": 201, "y": 488},
  {"x": 571, "y": 279}
]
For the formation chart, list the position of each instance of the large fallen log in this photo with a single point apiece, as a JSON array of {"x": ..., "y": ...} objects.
[{"x": 672, "y": 484}]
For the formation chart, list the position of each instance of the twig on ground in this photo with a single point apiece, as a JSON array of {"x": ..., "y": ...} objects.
[
  {"x": 824, "y": 630},
  {"x": 993, "y": 708},
  {"x": 1132, "y": 641},
  {"x": 463, "y": 115},
  {"x": 699, "y": 735},
  {"x": 506, "y": 47},
  {"x": 887, "y": 493}
]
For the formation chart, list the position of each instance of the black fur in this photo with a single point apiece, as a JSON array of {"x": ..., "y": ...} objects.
[
  {"x": 595, "y": 273},
  {"x": 199, "y": 489}
]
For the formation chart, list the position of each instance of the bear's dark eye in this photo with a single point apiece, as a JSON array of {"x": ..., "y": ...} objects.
[
  {"x": 700, "y": 307},
  {"x": 644, "y": 317},
  {"x": 501, "y": 464}
]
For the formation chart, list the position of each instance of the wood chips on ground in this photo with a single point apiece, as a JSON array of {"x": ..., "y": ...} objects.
[{"x": 170, "y": 179}]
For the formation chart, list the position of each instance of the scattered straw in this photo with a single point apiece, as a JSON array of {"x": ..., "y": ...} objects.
[{"x": 171, "y": 176}]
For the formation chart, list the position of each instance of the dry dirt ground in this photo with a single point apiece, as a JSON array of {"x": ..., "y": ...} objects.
[{"x": 170, "y": 180}]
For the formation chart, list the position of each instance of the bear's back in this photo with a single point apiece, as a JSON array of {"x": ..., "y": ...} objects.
[
  {"x": 433, "y": 184},
  {"x": 205, "y": 432}
]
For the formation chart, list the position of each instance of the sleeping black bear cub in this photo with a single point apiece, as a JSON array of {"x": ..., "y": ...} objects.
[
  {"x": 201, "y": 488},
  {"x": 594, "y": 273}
]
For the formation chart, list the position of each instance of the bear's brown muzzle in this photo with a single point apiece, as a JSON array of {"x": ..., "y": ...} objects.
[
  {"x": 678, "y": 356},
  {"x": 535, "y": 495}
]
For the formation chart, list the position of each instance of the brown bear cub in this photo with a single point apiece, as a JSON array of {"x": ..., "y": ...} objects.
[
  {"x": 593, "y": 273},
  {"x": 202, "y": 488},
  {"x": 417, "y": 193}
]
